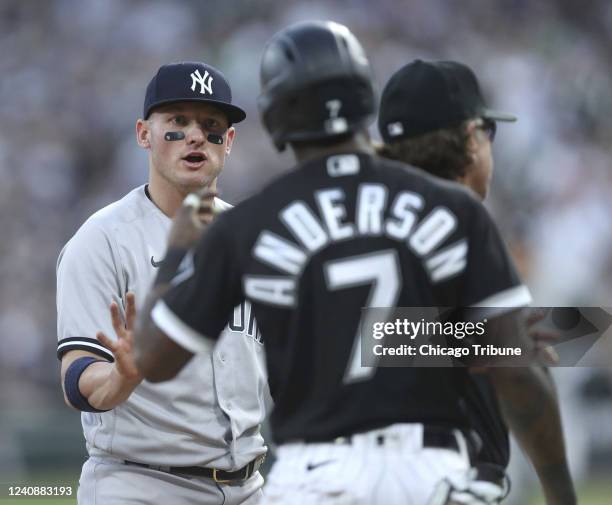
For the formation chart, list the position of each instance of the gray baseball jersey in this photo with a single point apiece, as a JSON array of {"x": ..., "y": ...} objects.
[{"x": 209, "y": 415}]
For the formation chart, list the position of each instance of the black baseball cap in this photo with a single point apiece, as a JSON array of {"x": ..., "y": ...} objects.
[
  {"x": 424, "y": 96},
  {"x": 191, "y": 81}
]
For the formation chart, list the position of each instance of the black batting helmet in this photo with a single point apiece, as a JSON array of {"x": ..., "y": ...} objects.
[{"x": 315, "y": 83}]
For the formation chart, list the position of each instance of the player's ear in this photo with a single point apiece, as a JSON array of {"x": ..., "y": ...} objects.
[
  {"x": 229, "y": 139},
  {"x": 143, "y": 133}
]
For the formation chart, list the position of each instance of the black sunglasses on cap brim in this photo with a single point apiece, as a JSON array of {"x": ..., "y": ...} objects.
[{"x": 489, "y": 127}]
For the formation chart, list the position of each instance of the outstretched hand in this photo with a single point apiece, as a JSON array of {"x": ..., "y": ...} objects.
[{"x": 123, "y": 347}]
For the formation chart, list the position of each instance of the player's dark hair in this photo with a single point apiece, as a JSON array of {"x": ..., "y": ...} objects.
[{"x": 443, "y": 152}]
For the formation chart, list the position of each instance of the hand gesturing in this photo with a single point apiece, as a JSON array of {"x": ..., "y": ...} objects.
[
  {"x": 123, "y": 347},
  {"x": 191, "y": 219}
]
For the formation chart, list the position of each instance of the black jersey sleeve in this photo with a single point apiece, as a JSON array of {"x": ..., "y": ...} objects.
[
  {"x": 491, "y": 278},
  {"x": 205, "y": 291}
]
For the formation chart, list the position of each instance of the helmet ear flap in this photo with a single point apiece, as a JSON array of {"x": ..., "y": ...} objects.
[{"x": 316, "y": 84}]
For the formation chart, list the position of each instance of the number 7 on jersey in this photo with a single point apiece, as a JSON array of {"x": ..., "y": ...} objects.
[{"x": 380, "y": 270}]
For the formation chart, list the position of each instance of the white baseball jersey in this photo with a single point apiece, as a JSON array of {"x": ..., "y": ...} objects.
[{"x": 209, "y": 415}]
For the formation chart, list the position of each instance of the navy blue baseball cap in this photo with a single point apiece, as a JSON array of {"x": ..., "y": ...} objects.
[
  {"x": 191, "y": 81},
  {"x": 424, "y": 96}
]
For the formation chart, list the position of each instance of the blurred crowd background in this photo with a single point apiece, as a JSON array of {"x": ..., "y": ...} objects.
[{"x": 72, "y": 81}]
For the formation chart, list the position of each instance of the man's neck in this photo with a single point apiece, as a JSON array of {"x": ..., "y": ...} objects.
[
  {"x": 357, "y": 143},
  {"x": 165, "y": 196}
]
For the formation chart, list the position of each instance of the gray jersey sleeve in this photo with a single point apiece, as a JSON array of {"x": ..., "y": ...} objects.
[{"x": 89, "y": 277}]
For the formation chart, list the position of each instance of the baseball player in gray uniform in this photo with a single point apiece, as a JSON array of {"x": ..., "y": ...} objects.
[{"x": 196, "y": 439}]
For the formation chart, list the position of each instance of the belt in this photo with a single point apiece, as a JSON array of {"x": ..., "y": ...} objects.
[
  {"x": 440, "y": 438},
  {"x": 220, "y": 476},
  {"x": 489, "y": 472},
  {"x": 433, "y": 437}
]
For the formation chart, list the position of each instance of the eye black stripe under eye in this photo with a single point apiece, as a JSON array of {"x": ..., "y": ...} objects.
[{"x": 215, "y": 139}]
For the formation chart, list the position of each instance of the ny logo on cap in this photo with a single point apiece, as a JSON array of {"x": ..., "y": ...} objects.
[{"x": 204, "y": 81}]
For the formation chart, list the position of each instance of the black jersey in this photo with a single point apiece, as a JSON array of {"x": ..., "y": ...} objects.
[{"x": 315, "y": 246}]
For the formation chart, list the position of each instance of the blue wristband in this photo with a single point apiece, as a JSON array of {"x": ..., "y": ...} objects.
[{"x": 71, "y": 384}]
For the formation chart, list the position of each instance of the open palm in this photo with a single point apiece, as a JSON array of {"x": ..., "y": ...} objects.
[{"x": 123, "y": 347}]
